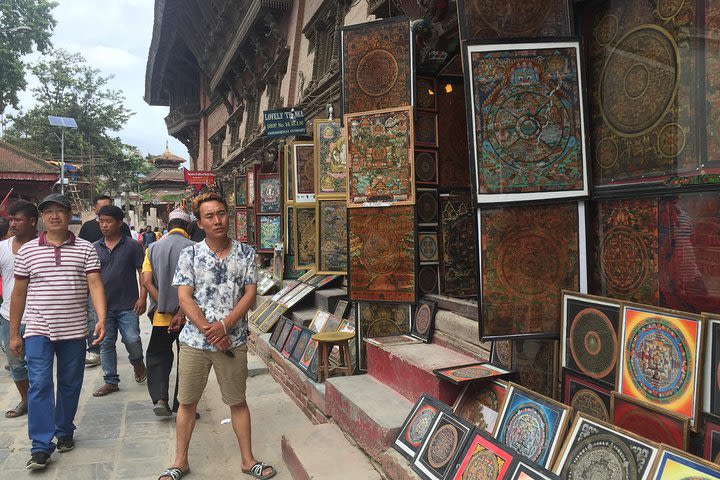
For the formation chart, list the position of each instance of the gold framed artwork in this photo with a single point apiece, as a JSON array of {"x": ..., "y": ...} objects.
[
  {"x": 287, "y": 174},
  {"x": 331, "y": 236},
  {"x": 303, "y": 172},
  {"x": 330, "y": 158},
  {"x": 304, "y": 230}
]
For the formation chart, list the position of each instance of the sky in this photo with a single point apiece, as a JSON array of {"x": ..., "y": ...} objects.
[{"x": 114, "y": 37}]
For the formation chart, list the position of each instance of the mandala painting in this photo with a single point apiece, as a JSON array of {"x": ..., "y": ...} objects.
[
  {"x": 269, "y": 189},
  {"x": 382, "y": 254},
  {"x": 426, "y": 166},
  {"x": 428, "y": 250},
  {"x": 376, "y": 65},
  {"x": 535, "y": 362},
  {"x": 443, "y": 444},
  {"x": 649, "y": 422},
  {"x": 292, "y": 339},
  {"x": 485, "y": 19},
  {"x": 454, "y": 169},
  {"x": 532, "y": 424},
  {"x": 301, "y": 345},
  {"x": 626, "y": 250},
  {"x": 589, "y": 336},
  {"x": 426, "y": 93},
  {"x": 310, "y": 354},
  {"x": 643, "y": 80},
  {"x": 427, "y": 206},
  {"x": 501, "y": 353},
  {"x": 484, "y": 459},
  {"x": 423, "y": 324},
  {"x": 304, "y": 171},
  {"x": 586, "y": 397},
  {"x": 270, "y": 231},
  {"x": 240, "y": 190},
  {"x": 659, "y": 358},
  {"x": 426, "y": 129},
  {"x": 304, "y": 237},
  {"x": 241, "y": 225},
  {"x": 595, "y": 449},
  {"x": 689, "y": 229},
  {"x": 462, "y": 374},
  {"x": 380, "y": 320},
  {"x": 332, "y": 237},
  {"x": 530, "y": 471},
  {"x": 529, "y": 254},
  {"x": 380, "y": 157},
  {"x": 417, "y": 425},
  {"x": 674, "y": 464},
  {"x": 330, "y": 163},
  {"x": 427, "y": 279},
  {"x": 479, "y": 403},
  {"x": 458, "y": 265}
]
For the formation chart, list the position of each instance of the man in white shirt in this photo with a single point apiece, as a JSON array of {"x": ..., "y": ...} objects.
[{"x": 23, "y": 225}]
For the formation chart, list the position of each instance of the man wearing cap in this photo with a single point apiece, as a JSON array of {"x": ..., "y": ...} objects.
[
  {"x": 52, "y": 276},
  {"x": 167, "y": 319},
  {"x": 121, "y": 258}
]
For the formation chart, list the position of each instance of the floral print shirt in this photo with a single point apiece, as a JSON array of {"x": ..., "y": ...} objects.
[{"x": 218, "y": 286}]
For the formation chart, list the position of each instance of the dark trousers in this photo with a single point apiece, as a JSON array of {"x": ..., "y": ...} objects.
[{"x": 160, "y": 358}]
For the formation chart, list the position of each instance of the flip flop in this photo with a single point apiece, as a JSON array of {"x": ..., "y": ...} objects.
[
  {"x": 19, "y": 410},
  {"x": 257, "y": 469},
  {"x": 174, "y": 473}
]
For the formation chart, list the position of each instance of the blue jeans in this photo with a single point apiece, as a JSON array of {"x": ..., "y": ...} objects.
[
  {"x": 91, "y": 322},
  {"x": 18, "y": 366},
  {"x": 48, "y": 417},
  {"x": 127, "y": 322}
]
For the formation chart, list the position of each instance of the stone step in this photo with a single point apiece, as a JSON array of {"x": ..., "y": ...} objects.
[
  {"x": 370, "y": 412},
  {"x": 327, "y": 299},
  {"x": 305, "y": 453},
  {"x": 303, "y": 316},
  {"x": 408, "y": 369}
]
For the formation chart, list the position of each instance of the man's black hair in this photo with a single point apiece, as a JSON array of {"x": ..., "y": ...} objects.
[
  {"x": 4, "y": 227},
  {"x": 28, "y": 209},
  {"x": 178, "y": 223},
  {"x": 111, "y": 211},
  {"x": 100, "y": 198}
]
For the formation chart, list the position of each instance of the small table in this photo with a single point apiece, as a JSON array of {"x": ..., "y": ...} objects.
[{"x": 326, "y": 342}]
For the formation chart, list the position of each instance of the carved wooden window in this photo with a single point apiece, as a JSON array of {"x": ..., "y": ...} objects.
[{"x": 323, "y": 32}]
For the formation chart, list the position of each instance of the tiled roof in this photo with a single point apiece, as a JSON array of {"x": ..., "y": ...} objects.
[
  {"x": 16, "y": 160},
  {"x": 165, "y": 175},
  {"x": 168, "y": 157}
]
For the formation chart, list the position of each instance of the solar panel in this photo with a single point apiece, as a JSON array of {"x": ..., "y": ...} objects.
[{"x": 62, "y": 121}]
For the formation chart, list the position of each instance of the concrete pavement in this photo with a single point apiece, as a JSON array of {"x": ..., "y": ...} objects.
[{"x": 119, "y": 437}]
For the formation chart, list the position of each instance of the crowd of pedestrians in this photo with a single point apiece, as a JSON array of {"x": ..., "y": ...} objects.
[{"x": 66, "y": 299}]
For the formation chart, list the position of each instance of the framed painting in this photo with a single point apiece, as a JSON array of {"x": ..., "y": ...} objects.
[
  {"x": 307, "y": 276},
  {"x": 529, "y": 471},
  {"x": 269, "y": 189},
  {"x": 454, "y": 169},
  {"x": 660, "y": 352},
  {"x": 278, "y": 263},
  {"x": 240, "y": 190},
  {"x": 711, "y": 440},
  {"x": 330, "y": 158},
  {"x": 423, "y": 325},
  {"x": 299, "y": 295},
  {"x": 531, "y": 424},
  {"x": 462, "y": 374},
  {"x": 483, "y": 19},
  {"x": 332, "y": 324},
  {"x": 426, "y": 129},
  {"x": 535, "y": 362},
  {"x": 380, "y": 158},
  {"x": 284, "y": 333},
  {"x": 625, "y": 255},
  {"x": 292, "y": 339},
  {"x": 417, "y": 425},
  {"x": 318, "y": 321},
  {"x": 309, "y": 355},
  {"x": 270, "y": 232},
  {"x": 501, "y": 353},
  {"x": 303, "y": 171},
  {"x": 380, "y": 320},
  {"x": 650, "y": 422},
  {"x": 301, "y": 345},
  {"x": 260, "y": 313},
  {"x": 331, "y": 235},
  {"x": 428, "y": 279},
  {"x": 528, "y": 254},
  {"x": 382, "y": 254},
  {"x": 341, "y": 308},
  {"x": 283, "y": 291},
  {"x": 620, "y": 451},
  {"x": 483, "y": 457},
  {"x": 588, "y": 340},
  {"x": 425, "y": 93},
  {"x": 527, "y": 121},
  {"x": 376, "y": 65},
  {"x": 428, "y": 249},
  {"x": 304, "y": 236},
  {"x": 250, "y": 186},
  {"x": 426, "y": 167},
  {"x": 673, "y": 464},
  {"x": 271, "y": 319},
  {"x": 458, "y": 261},
  {"x": 443, "y": 444},
  {"x": 711, "y": 367},
  {"x": 288, "y": 178},
  {"x": 277, "y": 331},
  {"x": 290, "y": 230},
  {"x": 251, "y": 230},
  {"x": 241, "y": 225},
  {"x": 586, "y": 396},
  {"x": 427, "y": 207},
  {"x": 479, "y": 403}
]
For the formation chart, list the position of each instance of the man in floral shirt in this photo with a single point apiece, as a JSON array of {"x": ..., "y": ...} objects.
[{"x": 216, "y": 281}]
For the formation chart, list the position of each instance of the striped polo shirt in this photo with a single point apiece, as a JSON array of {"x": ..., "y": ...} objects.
[{"x": 56, "y": 305}]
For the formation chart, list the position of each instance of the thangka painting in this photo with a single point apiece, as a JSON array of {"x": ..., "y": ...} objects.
[
  {"x": 458, "y": 262},
  {"x": 304, "y": 171},
  {"x": 462, "y": 374},
  {"x": 375, "y": 320},
  {"x": 269, "y": 190},
  {"x": 643, "y": 82},
  {"x": 382, "y": 254},
  {"x": 250, "y": 187},
  {"x": 529, "y": 254},
  {"x": 527, "y": 121},
  {"x": 712, "y": 84},
  {"x": 330, "y": 163},
  {"x": 586, "y": 397},
  {"x": 688, "y": 234},
  {"x": 660, "y": 357},
  {"x": 535, "y": 362},
  {"x": 241, "y": 226},
  {"x": 240, "y": 190},
  {"x": 592, "y": 444},
  {"x": 454, "y": 167},
  {"x": 480, "y": 403},
  {"x": 270, "y": 231},
  {"x": 426, "y": 93},
  {"x": 674, "y": 463},
  {"x": 417, "y": 425},
  {"x": 380, "y": 158},
  {"x": 650, "y": 422},
  {"x": 486, "y": 19},
  {"x": 532, "y": 425},
  {"x": 304, "y": 231},
  {"x": 501, "y": 353},
  {"x": 625, "y": 254},
  {"x": 376, "y": 65},
  {"x": 428, "y": 279},
  {"x": 436, "y": 458},
  {"x": 426, "y": 166},
  {"x": 529, "y": 471},
  {"x": 288, "y": 175},
  {"x": 332, "y": 237},
  {"x": 484, "y": 458}
]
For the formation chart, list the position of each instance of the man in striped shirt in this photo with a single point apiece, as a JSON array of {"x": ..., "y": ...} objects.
[{"x": 52, "y": 276}]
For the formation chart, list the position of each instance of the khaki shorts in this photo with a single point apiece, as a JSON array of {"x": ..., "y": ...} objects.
[{"x": 194, "y": 367}]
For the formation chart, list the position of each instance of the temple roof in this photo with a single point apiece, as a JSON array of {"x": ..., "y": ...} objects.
[
  {"x": 165, "y": 175},
  {"x": 168, "y": 158},
  {"x": 16, "y": 160}
]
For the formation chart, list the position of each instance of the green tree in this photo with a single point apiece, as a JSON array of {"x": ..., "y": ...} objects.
[{"x": 25, "y": 25}]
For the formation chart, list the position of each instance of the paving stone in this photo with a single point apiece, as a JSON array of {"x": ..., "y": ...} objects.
[{"x": 90, "y": 471}]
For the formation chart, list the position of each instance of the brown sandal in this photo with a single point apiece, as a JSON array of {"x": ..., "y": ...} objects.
[
  {"x": 106, "y": 389},
  {"x": 19, "y": 410}
]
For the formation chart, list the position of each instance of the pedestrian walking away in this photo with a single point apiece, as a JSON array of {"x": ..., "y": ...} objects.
[
  {"x": 121, "y": 259},
  {"x": 23, "y": 227},
  {"x": 53, "y": 274},
  {"x": 167, "y": 318},
  {"x": 216, "y": 282}
]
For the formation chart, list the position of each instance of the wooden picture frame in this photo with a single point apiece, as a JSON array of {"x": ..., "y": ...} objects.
[
  {"x": 304, "y": 236},
  {"x": 423, "y": 321},
  {"x": 479, "y": 403},
  {"x": 288, "y": 178},
  {"x": 331, "y": 219},
  {"x": 329, "y": 143},
  {"x": 472, "y": 372},
  {"x": 711, "y": 438},
  {"x": 483, "y": 448},
  {"x": 586, "y": 396},
  {"x": 673, "y": 463},
  {"x": 417, "y": 425},
  {"x": 303, "y": 160},
  {"x": 460, "y": 432},
  {"x": 648, "y": 421}
]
